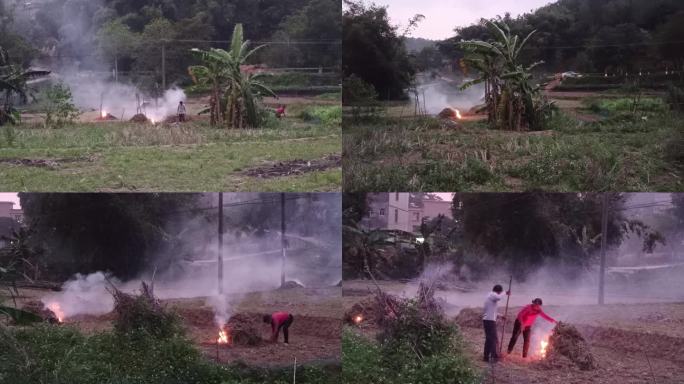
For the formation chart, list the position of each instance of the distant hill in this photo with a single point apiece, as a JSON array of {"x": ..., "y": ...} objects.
[{"x": 416, "y": 44}]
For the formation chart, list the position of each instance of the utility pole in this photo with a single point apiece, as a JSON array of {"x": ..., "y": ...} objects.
[
  {"x": 283, "y": 242},
  {"x": 604, "y": 236},
  {"x": 220, "y": 244},
  {"x": 164, "y": 65}
]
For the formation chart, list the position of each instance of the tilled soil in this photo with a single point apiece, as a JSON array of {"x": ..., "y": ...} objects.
[{"x": 312, "y": 339}]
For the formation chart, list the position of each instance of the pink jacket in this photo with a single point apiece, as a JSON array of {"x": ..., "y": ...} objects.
[{"x": 527, "y": 315}]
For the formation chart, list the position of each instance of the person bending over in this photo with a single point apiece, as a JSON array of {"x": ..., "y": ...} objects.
[{"x": 279, "y": 320}]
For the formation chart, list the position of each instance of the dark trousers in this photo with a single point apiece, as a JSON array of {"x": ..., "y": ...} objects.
[
  {"x": 285, "y": 327},
  {"x": 514, "y": 338},
  {"x": 491, "y": 340},
  {"x": 181, "y": 117}
]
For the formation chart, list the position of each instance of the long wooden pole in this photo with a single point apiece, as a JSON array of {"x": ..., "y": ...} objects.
[
  {"x": 604, "y": 238},
  {"x": 220, "y": 244},
  {"x": 283, "y": 242},
  {"x": 503, "y": 326}
]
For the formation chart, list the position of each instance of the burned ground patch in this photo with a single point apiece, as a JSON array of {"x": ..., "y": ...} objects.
[
  {"x": 45, "y": 162},
  {"x": 294, "y": 167}
]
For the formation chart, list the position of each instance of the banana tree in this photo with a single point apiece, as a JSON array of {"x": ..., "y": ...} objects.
[
  {"x": 13, "y": 81},
  {"x": 235, "y": 93},
  {"x": 508, "y": 93}
]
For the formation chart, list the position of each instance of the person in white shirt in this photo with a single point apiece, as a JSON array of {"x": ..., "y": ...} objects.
[
  {"x": 489, "y": 322},
  {"x": 181, "y": 112}
]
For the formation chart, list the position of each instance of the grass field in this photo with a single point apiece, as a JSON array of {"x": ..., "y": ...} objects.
[
  {"x": 607, "y": 152},
  {"x": 123, "y": 156}
]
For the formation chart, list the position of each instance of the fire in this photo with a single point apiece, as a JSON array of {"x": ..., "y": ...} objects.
[
  {"x": 223, "y": 337},
  {"x": 542, "y": 349},
  {"x": 57, "y": 310},
  {"x": 153, "y": 121},
  {"x": 458, "y": 114},
  {"x": 358, "y": 319},
  {"x": 104, "y": 114}
]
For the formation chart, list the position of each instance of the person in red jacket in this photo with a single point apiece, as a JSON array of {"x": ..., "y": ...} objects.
[
  {"x": 279, "y": 320},
  {"x": 524, "y": 321},
  {"x": 280, "y": 111}
]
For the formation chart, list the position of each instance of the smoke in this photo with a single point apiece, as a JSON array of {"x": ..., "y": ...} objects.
[
  {"x": 435, "y": 94},
  {"x": 252, "y": 255},
  {"x": 83, "y": 294},
  {"x": 120, "y": 100}
]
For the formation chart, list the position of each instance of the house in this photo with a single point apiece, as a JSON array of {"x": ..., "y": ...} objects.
[
  {"x": 7, "y": 210},
  {"x": 403, "y": 211}
]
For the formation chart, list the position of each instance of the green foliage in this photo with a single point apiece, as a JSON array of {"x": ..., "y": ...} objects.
[
  {"x": 374, "y": 51},
  {"x": 13, "y": 83},
  {"x": 144, "y": 314},
  {"x": 513, "y": 103},
  {"x": 675, "y": 97},
  {"x": 56, "y": 355},
  {"x": 624, "y": 104},
  {"x": 10, "y": 135},
  {"x": 59, "y": 108},
  {"x": 234, "y": 92},
  {"x": 415, "y": 349},
  {"x": 328, "y": 115}
]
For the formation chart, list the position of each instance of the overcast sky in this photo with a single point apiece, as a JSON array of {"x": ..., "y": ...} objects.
[
  {"x": 442, "y": 16},
  {"x": 13, "y": 197}
]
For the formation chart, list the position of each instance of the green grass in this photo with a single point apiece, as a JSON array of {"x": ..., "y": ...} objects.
[
  {"x": 192, "y": 157},
  {"x": 60, "y": 354},
  {"x": 417, "y": 155}
]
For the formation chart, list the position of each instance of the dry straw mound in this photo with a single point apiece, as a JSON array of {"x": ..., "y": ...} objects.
[{"x": 567, "y": 341}]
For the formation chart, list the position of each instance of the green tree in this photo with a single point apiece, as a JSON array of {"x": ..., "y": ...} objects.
[
  {"x": 116, "y": 40},
  {"x": 13, "y": 82},
  {"x": 374, "y": 51}
]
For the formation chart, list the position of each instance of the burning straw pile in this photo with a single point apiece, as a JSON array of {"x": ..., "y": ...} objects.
[
  {"x": 567, "y": 341},
  {"x": 244, "y": 329},
  {"x": 143, "y": 312}
]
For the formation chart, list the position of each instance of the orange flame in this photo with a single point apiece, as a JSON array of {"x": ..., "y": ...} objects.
[
  {"x": 358, "y": 319},
  {"x": 542, "y": 350},
  {"x": 458, "y": 114},
  {"x": 57, "y": 310},
  {"x": 104, "y": 114},
  {"x": 223, "y": 337}
]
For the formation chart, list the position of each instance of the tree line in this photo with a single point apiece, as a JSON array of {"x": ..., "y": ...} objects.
[
  {"x": 130, "y": 35},
  {"x": 521, "y": 232}
]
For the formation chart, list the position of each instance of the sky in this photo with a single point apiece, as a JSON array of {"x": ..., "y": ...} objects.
[
  {"x": 10, "y": 196},
  {"x": 442, "y": 16}
]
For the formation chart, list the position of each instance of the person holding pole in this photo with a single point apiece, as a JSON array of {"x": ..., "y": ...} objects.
[{"x": 489, "y": 318}]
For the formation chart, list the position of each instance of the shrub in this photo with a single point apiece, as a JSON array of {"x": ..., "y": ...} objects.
[
  {"x": 60, "y": 109},
  {"x": 143, "y": 313},
  {"x": 327, "y": 115}
]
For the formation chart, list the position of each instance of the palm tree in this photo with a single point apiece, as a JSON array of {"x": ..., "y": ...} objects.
[
  {"x": 234, "y": 93},
  {"x": 13, "y": 79},
  {"x": 508, "y": 93}
]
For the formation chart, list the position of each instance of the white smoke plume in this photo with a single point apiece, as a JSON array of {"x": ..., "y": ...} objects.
[
  {"x": 83, "y": 294},
  {"x": 121, "y": 100},
  {"x": 438, "y": 93}
]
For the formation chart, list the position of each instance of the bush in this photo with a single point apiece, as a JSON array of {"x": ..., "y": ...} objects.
[
  {"x": 327, "y": 115},
  {"x": 144, "y": 314},
  {"x": 60, "y": 109},
  {"x": 417, "y": 345}
]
